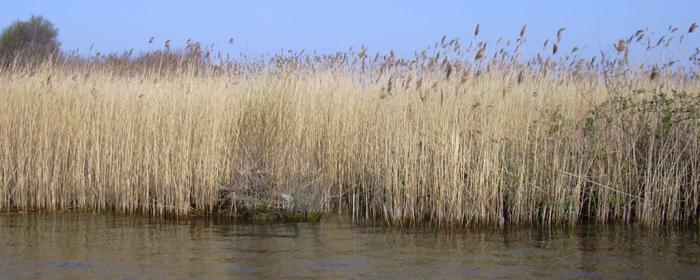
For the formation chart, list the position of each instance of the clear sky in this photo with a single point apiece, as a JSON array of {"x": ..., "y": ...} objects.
[{"x": 265, "y": 26}]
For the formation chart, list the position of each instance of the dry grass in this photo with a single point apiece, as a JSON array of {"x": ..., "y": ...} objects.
[{"x": 445, "y": 141}]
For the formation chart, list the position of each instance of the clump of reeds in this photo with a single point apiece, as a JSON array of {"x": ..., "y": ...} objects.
[{"x": 449, "y": 137}]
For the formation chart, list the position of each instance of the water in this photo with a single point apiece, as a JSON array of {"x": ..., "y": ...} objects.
[{"x": 72, "y": 245}]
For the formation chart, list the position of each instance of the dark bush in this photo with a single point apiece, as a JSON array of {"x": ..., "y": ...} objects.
[{"x": 29, "y": 41}]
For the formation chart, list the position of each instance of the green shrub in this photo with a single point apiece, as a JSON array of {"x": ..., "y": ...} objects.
[{"x": 29, "y": 41}]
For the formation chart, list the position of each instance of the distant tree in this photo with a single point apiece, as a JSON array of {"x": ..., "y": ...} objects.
[{"x": 30, "y": 40}]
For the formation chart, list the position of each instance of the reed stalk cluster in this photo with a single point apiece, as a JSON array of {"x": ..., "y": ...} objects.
[{"x": 453, "y": 136}]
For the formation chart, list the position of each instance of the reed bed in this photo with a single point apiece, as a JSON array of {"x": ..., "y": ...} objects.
[{"x": 454, "y": 136}]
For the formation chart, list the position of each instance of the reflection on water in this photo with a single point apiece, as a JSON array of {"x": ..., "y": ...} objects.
[{"x": 71, "y": 245}]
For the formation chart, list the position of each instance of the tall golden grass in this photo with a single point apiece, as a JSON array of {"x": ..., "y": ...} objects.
[{"x": 456, "y": 135}]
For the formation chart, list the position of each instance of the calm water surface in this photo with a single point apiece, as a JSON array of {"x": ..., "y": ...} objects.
[{"x": 91, "y": 246}]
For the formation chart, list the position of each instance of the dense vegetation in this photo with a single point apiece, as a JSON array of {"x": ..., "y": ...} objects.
[{"x": 457, "y": 135}]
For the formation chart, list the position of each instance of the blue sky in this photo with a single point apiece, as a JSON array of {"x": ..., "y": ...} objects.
[{"x": 265, "y": 26}]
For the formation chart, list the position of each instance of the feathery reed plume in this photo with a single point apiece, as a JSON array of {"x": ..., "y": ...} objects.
[
  {"x": 555, "y": 48},
  {"x": 476, "y": 30},
  {"x": 389, "y": 84},
  {"x": 559, "y": 33},
  {"x": 449, "y": 70},
  {"x": 150, "y": 41},
  {"x": 621, "y": 46},
  {"x": 661, "y": 40},
  {"x": 654, "y": 73},
  {"x": 521, "y": 77},
  {"x": 522, "y": 31},
  {"x": 481, "y": 53},
  {"x": 692, "y": 27}
]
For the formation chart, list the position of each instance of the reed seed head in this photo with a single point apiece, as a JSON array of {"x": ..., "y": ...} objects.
[
  {"x": 621, "y": 46},
  {"x": 481, "y": 53},
  {"x": 559, "y": 33}
]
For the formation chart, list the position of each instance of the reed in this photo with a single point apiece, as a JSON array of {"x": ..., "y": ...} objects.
[{"x": 449, "y": 137}]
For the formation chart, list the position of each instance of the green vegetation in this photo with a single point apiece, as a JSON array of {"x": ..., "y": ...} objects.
[
  {"x": 29, "y": 41},
  {"x": 455, "y": 136}
]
